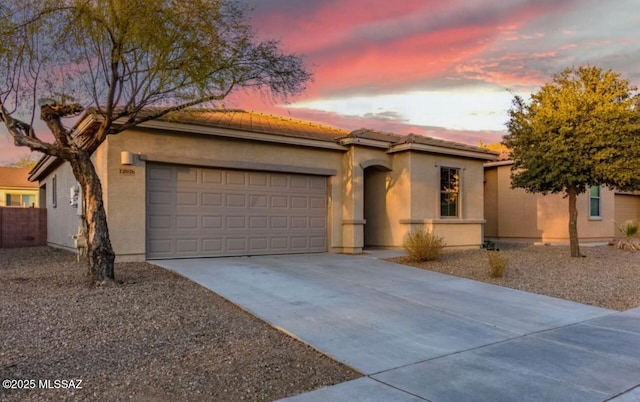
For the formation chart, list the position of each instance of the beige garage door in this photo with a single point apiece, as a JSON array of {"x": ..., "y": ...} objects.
[{"x": 198, "y": 212}]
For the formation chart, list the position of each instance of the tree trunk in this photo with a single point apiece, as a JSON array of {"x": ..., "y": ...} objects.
[
  {"x": 100, "y": 255},
  {"x": 573, "y": 222}
]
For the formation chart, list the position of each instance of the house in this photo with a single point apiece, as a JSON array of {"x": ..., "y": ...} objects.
[
  {"x": 22, "y": 224},
  {"x": 231, "y": 182},
  {"x": 15, "y": 188},
  {"x": 517, "y": 215}
]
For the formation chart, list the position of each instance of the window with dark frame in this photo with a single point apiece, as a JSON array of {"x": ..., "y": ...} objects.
[
  {"x": 54, "y": 192},
  {"x": 449, "y": 192},
  {"x": 12, "y": 200}
]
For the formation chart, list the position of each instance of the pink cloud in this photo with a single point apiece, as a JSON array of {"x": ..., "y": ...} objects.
[
  {"x": 390, "y": 66},
  {"x": 361, "y": 46},
  {"x": 453, "y": 44},
  {"x": 325, "y": 24}
]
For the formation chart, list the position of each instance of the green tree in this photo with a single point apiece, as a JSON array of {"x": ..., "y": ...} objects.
[
  {"x": 133, "y": 60},
  {"x": 579, "y": 130}
]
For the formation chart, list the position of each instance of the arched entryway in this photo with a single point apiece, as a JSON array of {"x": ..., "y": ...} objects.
[{"x": 375, "y": 183}]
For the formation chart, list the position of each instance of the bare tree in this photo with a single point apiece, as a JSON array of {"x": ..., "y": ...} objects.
[{"x": 128, "y": 60}]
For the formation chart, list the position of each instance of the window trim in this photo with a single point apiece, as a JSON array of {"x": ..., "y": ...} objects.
[
  {"x": 599, "y": 198},
  {"x": 458, "y": 202}
]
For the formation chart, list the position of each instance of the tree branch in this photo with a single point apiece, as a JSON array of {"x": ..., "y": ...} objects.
[
  {"x": 163, "y": 112},
  {"x": 51, "y": 115},
  {"x": 23, "y": 135},
  {"x": 15, "y": 126}
]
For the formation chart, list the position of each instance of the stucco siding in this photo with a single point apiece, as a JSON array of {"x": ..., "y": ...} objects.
[
  {"x": 399, "y": 199},
  {"x": 62, "y": 219},
  {"x": 627, "y": 208},
  {"x": 517, "y": 214},
  {"x": 491, "y": 204},
  {"x": 465, "y": 230},
  {"x": 19, "y": 192},
  {"x": 412, "y": 201}
]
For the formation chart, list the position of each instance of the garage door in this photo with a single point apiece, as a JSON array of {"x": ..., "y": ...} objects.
[{"x": 200, "y": 212}]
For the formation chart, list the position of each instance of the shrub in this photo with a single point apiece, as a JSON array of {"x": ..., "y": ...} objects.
[
  {"x": 497, "y": 264},
  {"x": 629, "y": 229},
  {"x": 423, "y": 246}
]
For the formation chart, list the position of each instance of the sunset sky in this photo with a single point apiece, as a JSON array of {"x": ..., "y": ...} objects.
[
  {"x": 446, "y": 69},
  {"x": 440, "y": 68}
]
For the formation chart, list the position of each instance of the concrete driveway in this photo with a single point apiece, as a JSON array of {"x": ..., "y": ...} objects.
[{"x": 419, "y": 335}]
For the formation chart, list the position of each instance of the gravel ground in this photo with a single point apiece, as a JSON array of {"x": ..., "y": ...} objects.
[
  {"x": 606, "y": 277},
  {"x": 157, "y": 336}
]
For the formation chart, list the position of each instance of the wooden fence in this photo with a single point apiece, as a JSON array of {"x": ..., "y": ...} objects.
[{"x": 23, "y": 227}]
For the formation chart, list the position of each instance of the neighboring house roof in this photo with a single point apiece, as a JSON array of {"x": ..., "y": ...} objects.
[{"x": 15, "y": 178}]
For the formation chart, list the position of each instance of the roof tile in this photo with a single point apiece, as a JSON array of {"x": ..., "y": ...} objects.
[
  {"x": 15, "y": 177},
  {"x": 396, "y": 139},
  {"x": 235, "y": 119}
]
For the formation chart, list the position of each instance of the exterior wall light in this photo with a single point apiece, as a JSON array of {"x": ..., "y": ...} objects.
[{"x": 126, "y": 158}]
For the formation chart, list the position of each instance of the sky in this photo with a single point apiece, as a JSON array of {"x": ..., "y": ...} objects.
[{"x": 446, "y": 69}]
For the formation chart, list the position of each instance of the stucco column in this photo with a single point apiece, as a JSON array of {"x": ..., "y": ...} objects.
[{"x": 352, "y": 205}]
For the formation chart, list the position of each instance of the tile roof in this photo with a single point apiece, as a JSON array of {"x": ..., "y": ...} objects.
[
  {"x": 256, "y": 122},
  {"x": 375, "y": 135},
  {"x": 15, "y": 177},
  {"x": 395, "y": 139},
  {"x": 235, "y": 119},
  {"x": 421, "y": 139}
]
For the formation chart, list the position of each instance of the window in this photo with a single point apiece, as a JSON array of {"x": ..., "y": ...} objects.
[
  {"x": 449, "y": 192},
  {"x": 13, "y": 200},
  {"x": 20, "y": 200},
  {"x": 54, "y": 190},
  {"x": 595, "y": 202},
  {"x": 28, "y": 200}
]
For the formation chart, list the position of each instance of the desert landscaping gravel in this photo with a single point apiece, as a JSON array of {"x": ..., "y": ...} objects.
[
  {"x": 605, "y": 277},
  {"x": 154, "y": 337}
]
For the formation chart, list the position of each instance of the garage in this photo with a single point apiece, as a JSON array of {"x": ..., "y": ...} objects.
[{"x": 206, "y": 212}]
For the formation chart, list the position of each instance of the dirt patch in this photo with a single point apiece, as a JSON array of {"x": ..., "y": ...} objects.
[
  {"x": 605, "y": 277},
  {"x": 157, "y": 336}
]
